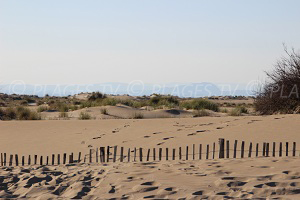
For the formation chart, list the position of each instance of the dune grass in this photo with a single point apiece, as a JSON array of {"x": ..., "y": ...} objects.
[{"x": 84, "y": 116}]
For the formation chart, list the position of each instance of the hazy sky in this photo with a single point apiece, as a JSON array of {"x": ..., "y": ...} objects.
[{"x": 156, "y": 41}]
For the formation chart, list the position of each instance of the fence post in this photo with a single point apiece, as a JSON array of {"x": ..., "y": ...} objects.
[
  {"x": 47, "y": 163},
  {"x": 97, "y": 154},
  {"x": 274, "y": 149},
  {"x": 207, "y": 151},
  {"x": 242, "y": 149},
  {"x": 134, "y": 156},
  {"x": 180, "y": 153},
  {"x": 234, "y": 148},
  {"x": 102, "y": 154},
  {"x": 264, "y": 150},
  {"x": 79, "y": 157},
  {"x": 23, "y": 160},
  {"x": 10, "y": 160},
  {"x": 4, "y": 155},
  {"x": 90, "y": 156},
  {"x": 200, "y": 151},
  {"x": 160, "y": 154},
  {"x": 115, "y": 153},
  {"x": 250, "y": 150},
  {"x": 35, "y": 159},
  {"x": 1, "y": 159},
  {"x": 187, "y": 153},
  {"x": 193, "y": 151},
  {"x": 287, "y": 148},
  {"x": 167, "y": 153},
  {"x": 17, "y": 159},
  {"x": 267, "y": 149},
  {"x": 227, "y": 148},
  {"x": 294, "y": 148},
  {"x": 58, "y": 159},
  {"x": 53, "y": 157},
  {"x": 257, "y": 146},
  {"x": 214, "y": 149},
  {"x": 141, "y": 154},
  {"x": 148, "y": 154},
  {"x": 121, "y": 154},
  {"x": 222, "y": 148},
  {"x": 41, "y": 160},
  {"x": 107, "y": 154},
  {"x": 128, "y": 156},
  {"x": 174, "y": 151},
  {"x": 280, "y": 149},
  {"x": 71, "y": 160},
  {"x": 29, "y": 160},
  {"x": 154, "y": 154}
]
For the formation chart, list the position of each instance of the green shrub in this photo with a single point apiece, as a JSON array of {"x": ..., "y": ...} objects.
[
  {"x": 238, "y": 111},
  {"x": 198, "y": 104},
  {"x": 84, "y": 116}
]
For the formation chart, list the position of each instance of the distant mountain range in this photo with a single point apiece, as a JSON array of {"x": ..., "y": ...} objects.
[{"x": 136, "y": 88}]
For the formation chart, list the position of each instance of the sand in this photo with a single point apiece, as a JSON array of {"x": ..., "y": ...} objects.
[{"x": 217, "y": 179}]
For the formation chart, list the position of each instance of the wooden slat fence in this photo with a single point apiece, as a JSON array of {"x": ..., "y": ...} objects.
[{"x": 223, "y": 150}]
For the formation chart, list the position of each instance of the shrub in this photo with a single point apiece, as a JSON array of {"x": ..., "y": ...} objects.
[
  {"x": 280, "y": 92},
  {"x": 200, "y": 113},
  {"x": 63, "y": 115},
  {"x": 138, "y": 115},
  {"x": 96, "y": 95},
  {"x": 42, "y": 108},
  {"x": 224, "y": 110},
  {"x": 84, "y": 116},
  {"x": 26, "y": 114},
  {"x": 104, "y": 111},
  {"x": 238, "y": 111},
  {"x": 10, "y": 113},
  {"x": 169, "y": 101},
  {"x": 198, "y": 104}
]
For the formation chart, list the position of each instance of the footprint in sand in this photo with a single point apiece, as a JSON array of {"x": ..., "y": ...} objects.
[
  {"x": 157, "y": 133},
  {"x": 147, "y": 136},
  {"x": 160, "y": 143},
  {"x": 167, "y": 138}
]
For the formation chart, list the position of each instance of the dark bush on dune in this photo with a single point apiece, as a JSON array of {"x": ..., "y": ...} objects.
[
  {"x": 281, "y": 93},
  {"x": 96, "y": 95}
]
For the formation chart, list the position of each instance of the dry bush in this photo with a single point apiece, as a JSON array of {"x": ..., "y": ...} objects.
[{"x": 281, "y": 93}]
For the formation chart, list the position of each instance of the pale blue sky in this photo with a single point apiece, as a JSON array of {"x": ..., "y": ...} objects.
[{"x": 156, "y": 41}]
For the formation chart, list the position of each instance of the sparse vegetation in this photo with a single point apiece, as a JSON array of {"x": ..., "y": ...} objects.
[
  {"x": 18, "y": 113},
  {"x": 104, "y": 111},
  {"x": 84, "y": 116},
  {"x": 42, "y": 108},
  {"x": 63, "y": 115},
  {"x": 238, "y": 111},
  {"x": 198, "y": 104},
  {"x": 138, "y": 115},
  {"x": 200, "y": 113}
]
